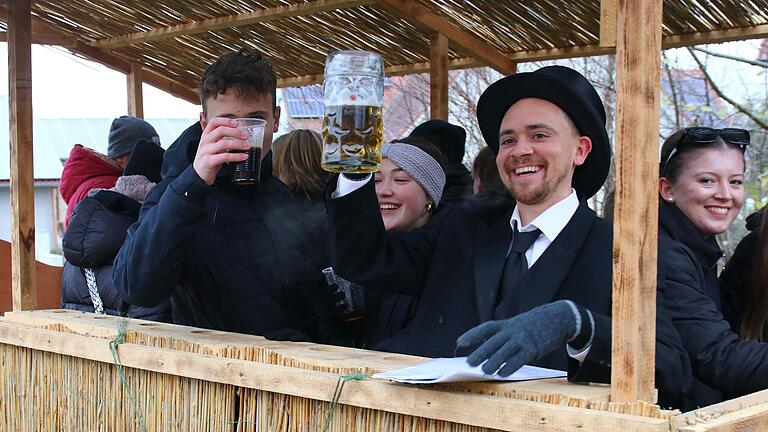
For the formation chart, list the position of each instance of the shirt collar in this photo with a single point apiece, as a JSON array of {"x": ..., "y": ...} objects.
[{"x": 552, "y": 220}]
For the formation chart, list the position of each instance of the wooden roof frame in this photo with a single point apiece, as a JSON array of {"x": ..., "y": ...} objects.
[{"x": 632, "y": 29}]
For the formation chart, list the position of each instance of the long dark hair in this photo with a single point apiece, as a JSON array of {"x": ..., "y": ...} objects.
[{"x": 756, "y": 311}]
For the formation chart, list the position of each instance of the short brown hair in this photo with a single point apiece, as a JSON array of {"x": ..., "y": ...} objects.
[{"x": 245, "y": 71}]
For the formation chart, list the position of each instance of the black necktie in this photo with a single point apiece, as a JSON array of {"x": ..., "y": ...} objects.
[{"x": 515, "y": 266}]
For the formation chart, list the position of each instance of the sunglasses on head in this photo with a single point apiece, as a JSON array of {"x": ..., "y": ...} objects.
[{"x": 707, "y": 135}]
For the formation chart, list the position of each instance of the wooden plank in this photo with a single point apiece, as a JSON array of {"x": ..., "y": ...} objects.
[
  {"x": 423, "y": 19},
  {"x": 394, "y": 70},
  {"x": 438, "y": 77},
  {"x": 732, "y": 405},
  {"x": 22, "y": 177},
  {"x": 47, "y": 39},
  {"x": 635, "y": 224},
  {"x": 754, "y": 418},
  {"x": 135, "y": 93},
  {"x": 716, "y": 36},
  {"x": 237, "y": 20},
  {"x": 607, "y": 23},
  {"x": 459, "y": 407},
  {"x": 320, "y": 355}
]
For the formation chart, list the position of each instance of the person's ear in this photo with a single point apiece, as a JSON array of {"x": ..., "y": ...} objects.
[
  {"x": 666, "y": 190},
  {"x": 276, "y": 116},
  {"x": 203, "y": 121},
  {"x": 583, "y": 149}
]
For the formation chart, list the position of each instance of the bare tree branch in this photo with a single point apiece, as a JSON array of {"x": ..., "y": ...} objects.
[
  {"x": 722, "y": 95},
  {"x": 736, "y": 58},
  {"x": 672, "y": 89}
]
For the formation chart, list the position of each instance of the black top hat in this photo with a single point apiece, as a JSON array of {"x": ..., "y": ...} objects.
[{"x": 570, "y": 91}]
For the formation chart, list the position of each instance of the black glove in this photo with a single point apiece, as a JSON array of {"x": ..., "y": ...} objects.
[
  {"x": 509, "y": 344},
  {"x": 287, "y": 334}
]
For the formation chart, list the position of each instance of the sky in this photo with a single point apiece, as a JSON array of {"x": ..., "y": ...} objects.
[{"x": 91, "y": 90}]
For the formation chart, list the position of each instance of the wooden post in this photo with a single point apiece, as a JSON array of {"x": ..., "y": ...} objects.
[
  {"x": 22, "y": 174},
  {"x": 638, "y": 53},
  {"x": 135, "y": 95},
  {"x": 607, "y": 23},
  {"x": 438, "y": 76}
]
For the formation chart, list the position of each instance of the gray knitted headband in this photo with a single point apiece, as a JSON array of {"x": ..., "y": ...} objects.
[{"x": 419, "y": 165}]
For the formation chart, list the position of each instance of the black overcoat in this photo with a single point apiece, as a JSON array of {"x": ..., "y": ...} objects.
[{"x": 455, "y": 264}]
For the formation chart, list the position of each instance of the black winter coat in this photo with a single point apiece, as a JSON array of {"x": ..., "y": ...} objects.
[
  {"x": 96, "y": 231},
  {"x": 229, "y": 258},
  {"x": 737, "y": 274},
  {"x": 455, "y": 263},
  {"x": 722, "y": 363}
]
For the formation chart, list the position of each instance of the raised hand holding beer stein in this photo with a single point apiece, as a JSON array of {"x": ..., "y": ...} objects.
[{"x": 353, "y": 93}]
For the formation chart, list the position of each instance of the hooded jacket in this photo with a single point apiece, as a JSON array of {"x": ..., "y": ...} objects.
[
  {"x": 229, "y": 258},
  {"x": 97, "y": 230},
  {"x": 86, "y": 169},
  {"x": 722, "y": 363}
]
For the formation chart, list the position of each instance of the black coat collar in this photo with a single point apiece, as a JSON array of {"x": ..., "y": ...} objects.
[{"x": 680, "y": 228}]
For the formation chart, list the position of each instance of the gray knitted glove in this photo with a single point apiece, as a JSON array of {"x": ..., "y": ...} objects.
[{"x": 509, "y": 344}]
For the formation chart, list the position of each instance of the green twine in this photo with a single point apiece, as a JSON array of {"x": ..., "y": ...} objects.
[
  {"x": 337, "y": 394},
  {"x": 121, "y": 330}
]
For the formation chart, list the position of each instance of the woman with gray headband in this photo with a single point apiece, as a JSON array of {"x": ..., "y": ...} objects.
[
  {"x": 409, "y": 187},
  {"x": 409, "y": 184}
]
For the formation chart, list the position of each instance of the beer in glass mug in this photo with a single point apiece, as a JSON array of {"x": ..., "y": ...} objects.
[{"x": 353, "y": 93}]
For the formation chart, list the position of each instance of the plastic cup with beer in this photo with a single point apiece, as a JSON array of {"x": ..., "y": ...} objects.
[
  {"x": 247, "y": 172},
  {"x": 353, "y": 93}
]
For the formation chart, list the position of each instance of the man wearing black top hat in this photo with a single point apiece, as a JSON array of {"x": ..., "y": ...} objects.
[{"x": 515, "y": 283}]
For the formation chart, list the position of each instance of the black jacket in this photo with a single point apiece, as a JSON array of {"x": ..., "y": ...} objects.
[
  {"x": 737, "y": 274},
  {"x": 722, "y": 363},
  {"x": 229, "y": 258},
  {"x": 455, "y": 264},
  {"x": 96, "y": 231}
]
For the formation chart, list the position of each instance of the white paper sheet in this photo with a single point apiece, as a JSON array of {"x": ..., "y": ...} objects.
[{"x": 457, "y": 370}]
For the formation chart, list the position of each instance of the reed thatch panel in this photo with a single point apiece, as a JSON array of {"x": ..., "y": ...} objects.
[{"x": 297, "y": 45}]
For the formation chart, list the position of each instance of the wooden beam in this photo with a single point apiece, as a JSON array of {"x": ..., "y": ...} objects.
[
  {"x": 438, "y": 77},
  {"x": 691, "y": 418},
  {"x": 754, "y": 418},
  {"x": 716, "y": 36},
  {"x": 135, "y": 94},
  {"x": 429, "y": 22},
  {"x": 22, "y": 170},
  {"x": 47, "y": 39},
  {"x": 638, "y": 63},
  {"x": 237, "y": 20},
  {"x": 607, "y": 23},
  {"x": 458, "y": 407},
  {"x": 185, "y": 91}
]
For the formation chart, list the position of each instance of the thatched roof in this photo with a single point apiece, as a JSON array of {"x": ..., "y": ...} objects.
[{"x": 175, "y": 40}]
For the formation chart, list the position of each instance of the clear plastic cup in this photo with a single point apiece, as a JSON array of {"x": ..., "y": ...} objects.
[{"x": 248, "y": 171}]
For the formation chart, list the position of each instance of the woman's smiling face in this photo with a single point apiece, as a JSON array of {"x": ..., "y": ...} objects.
[
  {"x": 709, "y": 189},
  {"x": 402, "y": 201}
]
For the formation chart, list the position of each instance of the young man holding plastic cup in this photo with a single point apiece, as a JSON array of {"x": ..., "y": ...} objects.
[{"x": 219, "y": 234}]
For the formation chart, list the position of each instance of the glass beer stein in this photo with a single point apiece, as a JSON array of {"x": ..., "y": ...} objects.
[{"x": 353, "y": 93}]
